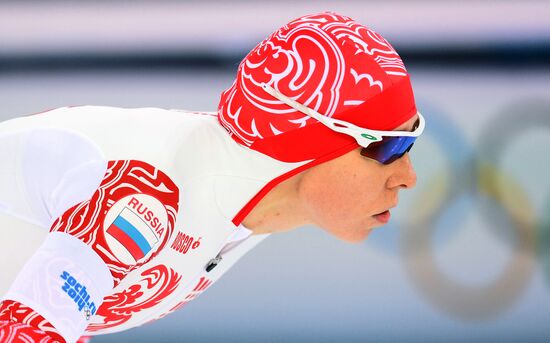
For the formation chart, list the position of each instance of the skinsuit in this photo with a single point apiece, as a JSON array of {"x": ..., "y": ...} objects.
[{"x": 144, "y": 206}]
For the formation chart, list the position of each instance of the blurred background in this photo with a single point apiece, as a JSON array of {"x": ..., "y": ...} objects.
[{"x": 467, "y": 254}]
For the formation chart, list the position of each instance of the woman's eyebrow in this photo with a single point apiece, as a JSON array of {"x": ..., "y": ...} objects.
[{"x": 415, "y": 125}]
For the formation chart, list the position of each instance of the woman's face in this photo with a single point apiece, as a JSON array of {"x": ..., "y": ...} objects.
[{"x": 349, "y": 196}]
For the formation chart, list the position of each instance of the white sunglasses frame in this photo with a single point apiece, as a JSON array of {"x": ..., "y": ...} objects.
[{"x": 363, "y": 136}]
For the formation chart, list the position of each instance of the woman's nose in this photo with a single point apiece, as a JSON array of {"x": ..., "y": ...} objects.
[{"x": 403, "y": 174}]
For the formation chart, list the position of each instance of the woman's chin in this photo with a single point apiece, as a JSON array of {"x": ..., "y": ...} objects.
[{"x": 357, "y": 236}]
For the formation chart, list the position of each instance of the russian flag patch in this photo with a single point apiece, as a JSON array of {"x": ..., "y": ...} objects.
[{"x": 133, "y": 233}]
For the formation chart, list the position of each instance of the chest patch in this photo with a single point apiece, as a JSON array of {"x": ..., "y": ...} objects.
[
  {"x": 130, "y": 217},
  {"x": 134, "y": 226}
]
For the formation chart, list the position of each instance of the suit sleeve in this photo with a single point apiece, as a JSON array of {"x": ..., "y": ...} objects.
[
  {"x": 106, "y": 218},
  {"x": 45, "y": 171}
]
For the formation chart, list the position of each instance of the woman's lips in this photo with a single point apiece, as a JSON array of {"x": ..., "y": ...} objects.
[{"x": 383, "y": 217}]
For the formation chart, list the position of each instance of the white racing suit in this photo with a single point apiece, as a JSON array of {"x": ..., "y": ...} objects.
[{"x": 143, "y": 207}]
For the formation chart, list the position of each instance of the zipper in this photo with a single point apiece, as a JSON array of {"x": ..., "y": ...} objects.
[
  {"x": 224, "y": 249},
  {"x": 213, "y": 262}
]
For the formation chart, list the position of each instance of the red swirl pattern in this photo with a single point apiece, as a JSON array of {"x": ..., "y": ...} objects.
[
  {"x": 123, "y": 178},
  {"x": 30, "y": 324},
  {"x": 156, "y": 284},
  {"x": 11, "y": 332},
  {"x": 369, "y": 42},
  {"x": 201, "y": 286},
  {"x": 326, "y": 61}
]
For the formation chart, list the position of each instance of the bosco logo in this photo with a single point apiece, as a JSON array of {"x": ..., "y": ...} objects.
[
  {"x": 134, "y": 226},
  {"x": 183, "y": 242}
]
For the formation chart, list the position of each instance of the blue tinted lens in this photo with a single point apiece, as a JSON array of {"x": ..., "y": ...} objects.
[{"x": 389, "y": 149}]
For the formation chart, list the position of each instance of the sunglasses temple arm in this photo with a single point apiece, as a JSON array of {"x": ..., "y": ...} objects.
[
  {"x": 414, "y": 133},
  {"x": 294, "y": 104},
  {"x": 345, "y": 126}
]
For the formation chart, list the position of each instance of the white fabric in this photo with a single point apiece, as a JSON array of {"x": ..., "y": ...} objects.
[
  {"x": 216, "y": 178},
  {"x": 240, "y": 235},
  {"x": 44, "y": 285},
  {"x": 44, "y": 171}
]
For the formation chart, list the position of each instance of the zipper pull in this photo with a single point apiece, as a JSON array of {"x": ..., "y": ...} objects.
[{"x": 213, "y": 263}]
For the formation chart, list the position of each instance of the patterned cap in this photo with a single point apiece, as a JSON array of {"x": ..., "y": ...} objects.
[{"x": 329, "y": 63}]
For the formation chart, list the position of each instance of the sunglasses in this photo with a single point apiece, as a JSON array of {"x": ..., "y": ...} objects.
[{"x": 382, "y": 146}]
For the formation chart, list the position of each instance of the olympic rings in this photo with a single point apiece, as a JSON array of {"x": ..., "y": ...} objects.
[
  {"x": 457, "y": 152},
  {"x": 544, "y": 240},
  {"x": 468, "y": 303},
  {"x": 518, "y": 118},
  {"x": 478, "y": 176}
]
